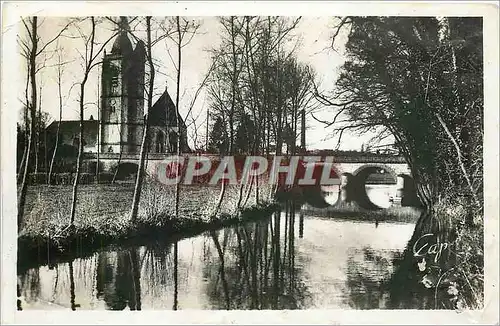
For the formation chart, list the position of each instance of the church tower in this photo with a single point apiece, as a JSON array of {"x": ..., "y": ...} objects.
[{"x": 122, "y": 99}]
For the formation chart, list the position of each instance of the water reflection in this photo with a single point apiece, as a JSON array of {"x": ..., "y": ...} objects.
[
  {"x": 256, "y": 266},
  {"x": 379, "y": 194},
  {"x": 367, "y": 282},
  {"x": 176, "y": 272},
  {"x": 289, "y": 261},
  {"x": 118, "y": 279}
]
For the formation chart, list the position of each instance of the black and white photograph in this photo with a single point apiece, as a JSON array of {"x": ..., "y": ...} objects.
[{"x": 192, "y": 161}]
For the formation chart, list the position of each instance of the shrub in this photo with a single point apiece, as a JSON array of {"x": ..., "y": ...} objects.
[
  {"x": 37, "y": 178},
  {"x": 64, "y": 178},
  {"x": 86, "y": 178},
  {"x": 105, "y": 177}
]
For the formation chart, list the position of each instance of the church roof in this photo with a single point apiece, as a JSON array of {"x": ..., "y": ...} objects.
[
  {"x": 74, "y": 125},
  {"x": 70, "y": 129},
  {"x": 140, "y": 48},
  {"x": 122, "y": 44},
  {"x": 163, "y": 112}
]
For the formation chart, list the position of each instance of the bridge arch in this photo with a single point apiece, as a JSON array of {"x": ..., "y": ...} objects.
[
  {"x": 365, "y": 169},
  {"x": 318, "y": 195},
  {"x": 379, "y": 191},
  {"x": 352, "y": 188}
]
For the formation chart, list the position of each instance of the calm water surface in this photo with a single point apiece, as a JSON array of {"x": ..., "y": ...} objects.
[{"x": 289, "y": 261}]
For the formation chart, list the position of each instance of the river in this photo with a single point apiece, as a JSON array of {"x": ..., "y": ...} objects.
[{"x": 288, "y": 261}]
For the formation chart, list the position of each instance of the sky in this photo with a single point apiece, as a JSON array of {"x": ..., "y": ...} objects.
[{"x": 315, "y": 34}]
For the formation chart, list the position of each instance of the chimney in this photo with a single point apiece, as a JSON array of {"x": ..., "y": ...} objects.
[{"x": 303, "y": 131}]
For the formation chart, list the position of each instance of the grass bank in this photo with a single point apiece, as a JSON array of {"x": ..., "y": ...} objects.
[
  {"x": 102, "y": 218},
  {"x": 353, "y": 211},
  {"x": 455, "y": 278}
]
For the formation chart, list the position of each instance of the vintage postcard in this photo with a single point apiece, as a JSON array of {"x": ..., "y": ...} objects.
[{"x": 253, "y": 162}]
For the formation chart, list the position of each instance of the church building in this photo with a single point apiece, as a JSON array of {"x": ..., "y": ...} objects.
[
  {"x": 121, "y": 118},
  {"x": 122, "y": 103}
]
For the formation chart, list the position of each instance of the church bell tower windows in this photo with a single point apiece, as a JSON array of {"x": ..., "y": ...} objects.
[
  {"x": 112, "y": 106},
  {"x": 114, "y": 86}
]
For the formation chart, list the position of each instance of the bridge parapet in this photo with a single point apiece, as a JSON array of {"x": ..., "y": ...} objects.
[
  {"x": 336, "y": 159},
  {"x": 369, "y": 159},
  {"x": 125, "y": 156}
]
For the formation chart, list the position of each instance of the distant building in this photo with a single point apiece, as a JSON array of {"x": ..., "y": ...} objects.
[
  {"x": 69, "y": 135},
  {"x": 120, "y": 124}
]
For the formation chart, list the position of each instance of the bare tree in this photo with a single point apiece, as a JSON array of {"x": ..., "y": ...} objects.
[
  {"x": 150, "y": 42},
  {"x": 144, "y": 143},
  {"x": 119, "y": 157},
  {"x": 31, "y": 48},
  {"x": 59, "y": 77},
  {"x": 38, "y": 127},
  {"x": 258, "y": 86},
  {"x": 184, "y": 32},
  {"x": 179, "y": 132},
  {"x": 90, "y": 61},
  {"x": 26, "y": 109}
]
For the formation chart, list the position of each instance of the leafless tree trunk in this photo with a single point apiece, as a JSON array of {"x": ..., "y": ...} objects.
[
  {"x": 80, "y": 144},
  {"x": 90, "y": 62},
  {"x": 249, "y": 192},
  {"x": 221, "y": 198},
  {"x": 32, "y": 49},
  {"x": 179, "y": 132},
  {"x": 221, "y": 195},
  {"x": 119, "y": 158},
  {"x": 240, "y": 193},
  {"x": 98, "y": 152},
  {"x": 60, "y": 72},
  {"x": 181, "y": 32},
  {"x": 23, "y": 158},
  {"x": 38, "y": 131},
  {"x": 206, "y": 130},
  {"x": 26, "y": 119},
  {"x": 144, "y": 144},
  {"x": 117, "y": 164},
  {"x": 234, "y": 85}
]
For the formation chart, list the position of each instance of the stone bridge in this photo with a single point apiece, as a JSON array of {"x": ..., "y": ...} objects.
[
  {"x": 353, "y": 171},
  {"x": 355, "y": 174}
]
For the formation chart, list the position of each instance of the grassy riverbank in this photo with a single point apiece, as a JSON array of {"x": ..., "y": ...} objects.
[
  {"x": 459, "y": 276},
  {"x": 353, "y": 211},
  {"x": 455, "y": 278},
  {"x": 102, "y": 218}
]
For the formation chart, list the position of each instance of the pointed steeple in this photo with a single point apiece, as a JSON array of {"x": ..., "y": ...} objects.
[
  {"x": 140, "y": 50},
  {"x": 122, "y": 43},
  {"x": 123, "y": 24}
]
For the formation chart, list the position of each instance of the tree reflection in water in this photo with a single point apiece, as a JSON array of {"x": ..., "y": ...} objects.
[
  {"x": 268, "y": 264},
  {"x": 372, "y": 284},
  {"x": 29, "y": 286},
  {"x": 72, "y": 286},
  {"x": 118, "y": 279},
  {"x": 367, "y": 281},
  {"x": 256, "y": 266},
  {"x": 176, "y": 276}
]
